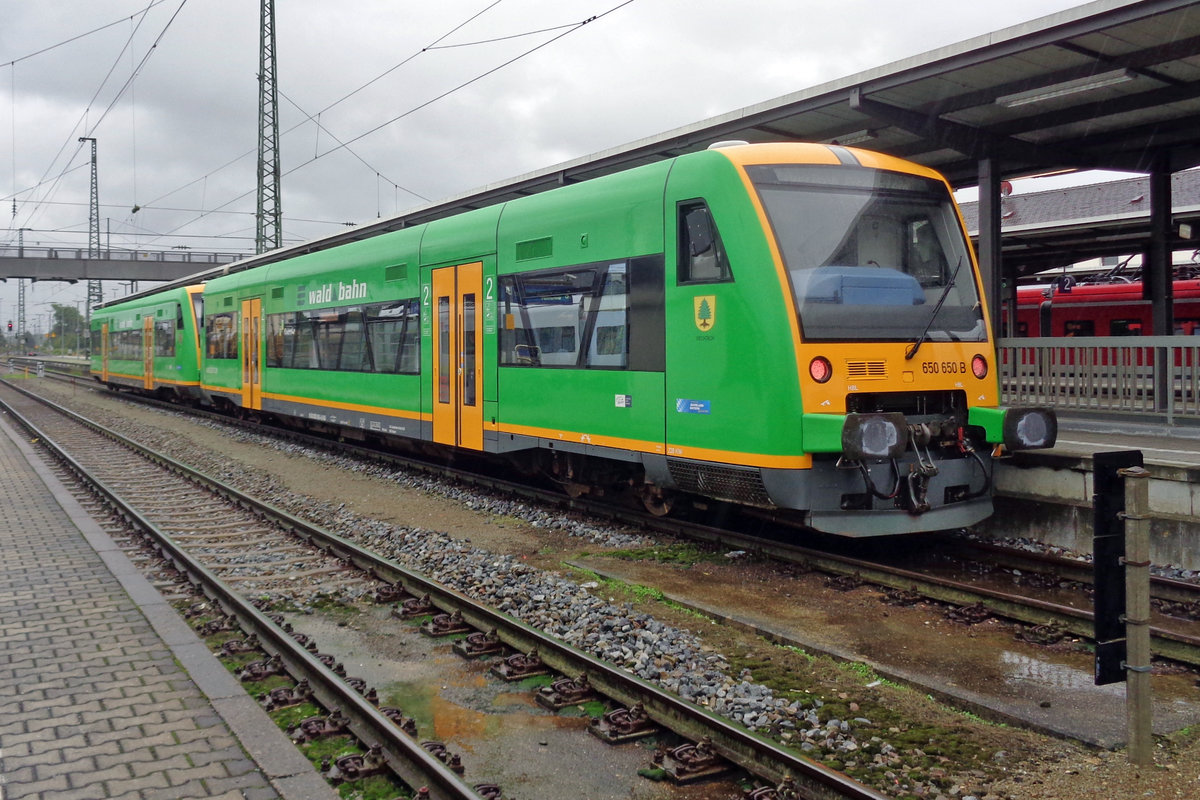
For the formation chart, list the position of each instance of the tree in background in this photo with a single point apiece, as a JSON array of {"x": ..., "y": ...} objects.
[{"x": 67, "y": 330}]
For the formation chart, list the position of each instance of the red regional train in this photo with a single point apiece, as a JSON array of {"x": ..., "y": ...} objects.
[{"x": 1101, "y": 309}]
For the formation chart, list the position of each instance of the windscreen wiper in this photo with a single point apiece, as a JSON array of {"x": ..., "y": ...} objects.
[{"x": 912, "y": 350}]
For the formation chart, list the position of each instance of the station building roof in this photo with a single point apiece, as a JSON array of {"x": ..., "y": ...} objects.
[{"x": 1060, "y": 227}]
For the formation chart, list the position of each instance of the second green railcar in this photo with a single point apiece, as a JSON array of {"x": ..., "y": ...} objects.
[{"x": 150, "y": 342}]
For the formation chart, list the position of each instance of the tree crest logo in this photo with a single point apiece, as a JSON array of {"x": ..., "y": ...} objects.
[{"x": 705, "y": 307}]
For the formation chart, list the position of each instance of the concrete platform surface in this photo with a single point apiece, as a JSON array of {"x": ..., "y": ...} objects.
[{"x": 104, "y": 691}]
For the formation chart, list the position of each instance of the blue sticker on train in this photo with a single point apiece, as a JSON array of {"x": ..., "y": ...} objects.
[{"x": 693, "y": 406}]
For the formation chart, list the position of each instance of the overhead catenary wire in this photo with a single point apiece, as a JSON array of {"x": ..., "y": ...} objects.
[
  {"x": 91, "y": 129},
  {"x": 77, "y": 37},
  {"x": 346, "y": 144},
  {"x": 320, "y": 127},
  {"x": 465, "y": 84},
  {"x": 334, "y": 104},
  {"x": 571, "y": 29}
]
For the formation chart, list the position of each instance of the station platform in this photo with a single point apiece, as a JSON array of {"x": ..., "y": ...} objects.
[
  {"x": 104, "y": 691},
  {"x": 1165, "y": 445},
  {"x": 1047, "y": 495}
]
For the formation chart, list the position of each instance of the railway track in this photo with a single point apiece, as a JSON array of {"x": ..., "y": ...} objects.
[
  {"x": 1048, "y": 593},
  {"x": 1065, "y": 580},
  {"x": 221, "y": 557}
]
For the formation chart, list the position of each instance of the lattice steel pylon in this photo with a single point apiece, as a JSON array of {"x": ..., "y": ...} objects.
[
  {"x": 95, "y": 289},
  {"x": 268, "y": 218},
  {"x": 21, "y": 290}
]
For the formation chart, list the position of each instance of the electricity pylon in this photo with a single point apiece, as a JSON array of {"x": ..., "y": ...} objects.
[
  {"x": 95, "y": 289},
  {"x": 268, "y": 218}
]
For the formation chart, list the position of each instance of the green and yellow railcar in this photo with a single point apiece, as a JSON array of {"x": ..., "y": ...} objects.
[
  {"x": 332, "y": 338},
  {"x": 150, "y": 342},
  {"x": 797, "y": 326}
]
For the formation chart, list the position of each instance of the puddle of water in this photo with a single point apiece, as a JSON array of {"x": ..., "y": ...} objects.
[
  {"x": 1024, "y": 668},
  {"x": 501, "y": 733}
]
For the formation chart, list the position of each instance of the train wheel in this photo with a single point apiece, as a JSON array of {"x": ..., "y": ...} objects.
[{"x": 656, "y": 501}]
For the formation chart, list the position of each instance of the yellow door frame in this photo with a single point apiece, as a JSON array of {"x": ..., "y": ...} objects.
[
  {"x": 458, "y": 355},
  {"x": 104, "y": 352},
  {"x": 252, "y": 353},
  {"x": 148, "y": 352}
]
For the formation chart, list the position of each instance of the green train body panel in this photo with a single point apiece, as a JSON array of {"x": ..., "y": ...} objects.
[
  {"x": 461, "y": 238},
  {"x": 719, "y": 376},
  {"x": 615, "y": 217},
  {"x": 375, "y": 271},
  {"x": 590, "y": 409},
  {"x": 646, "y": 329},
  {"x": 594, "y": 224},
  {"x": 221, "y": 372}
]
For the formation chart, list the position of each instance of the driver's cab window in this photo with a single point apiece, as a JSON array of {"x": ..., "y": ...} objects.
[
  {"x": 702, "y": 257},
  {"x": 925, "y": 259}
]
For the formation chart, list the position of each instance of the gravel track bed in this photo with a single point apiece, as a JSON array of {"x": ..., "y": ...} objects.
[{"x": 487, "y": 547}]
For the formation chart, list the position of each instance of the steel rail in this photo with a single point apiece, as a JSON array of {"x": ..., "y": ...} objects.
[
  {"x": 411, "y": 763},
  {"x": 1079, "y": 622},
  {"x": 754, "y": 753},
  {"x": 1163, "y": 588}
]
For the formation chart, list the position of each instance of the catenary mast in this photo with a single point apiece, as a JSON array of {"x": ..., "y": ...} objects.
[
  {"x": 269, "y": 215},
  {"x": 95, "y": 289}
]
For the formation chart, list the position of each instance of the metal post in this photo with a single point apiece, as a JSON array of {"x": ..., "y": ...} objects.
[
  {"x": 991, "y": 262},
  {"x": 1138, "y": 699},
  {"x": 21, "y": 288}
]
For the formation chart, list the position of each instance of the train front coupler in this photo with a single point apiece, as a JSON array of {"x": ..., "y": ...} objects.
[
  {"x": 891, "y": 437},
  {"x": 915, "y": 498}
]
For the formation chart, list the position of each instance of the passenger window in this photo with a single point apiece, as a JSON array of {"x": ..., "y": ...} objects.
[
  {"x": 602, "y": 315},
  {"x": 164, "y": 338},
  {"x": 1125, "y": 327},
  {"x": 221, "y": 335},
  {"x": 702, "y": 257},
  {"x": 1079, "y": 327}
]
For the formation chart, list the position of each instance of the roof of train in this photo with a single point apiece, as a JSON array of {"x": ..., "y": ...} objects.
[{"x": 1119, "y": 291}]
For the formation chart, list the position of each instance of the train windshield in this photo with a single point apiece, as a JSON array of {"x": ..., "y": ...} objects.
[{"x": 870, "y": 253}]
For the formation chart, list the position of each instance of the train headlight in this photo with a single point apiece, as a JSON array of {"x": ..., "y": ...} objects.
[
  {"x": 1030, "y": 428},
  {"x": 874, "y": 436},
  {"x": 979, "y": 367}
]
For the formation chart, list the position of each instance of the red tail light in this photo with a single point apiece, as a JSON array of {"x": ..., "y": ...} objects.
[
  {"x": 820, "y": 369},
  {"x": 979, "y": 367}
]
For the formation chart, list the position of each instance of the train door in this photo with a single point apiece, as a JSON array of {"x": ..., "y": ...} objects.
[
  {"x": 148, "y": 352},
  {"x": 104, "y": 352},
  {"x": 251, "y": 355},
  {"x": 458, "y": 355}
]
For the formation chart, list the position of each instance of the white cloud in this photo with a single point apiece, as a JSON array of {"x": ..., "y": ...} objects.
[{"x": 177, "y": 141}]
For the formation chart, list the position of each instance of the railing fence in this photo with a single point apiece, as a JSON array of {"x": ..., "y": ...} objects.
[
  {"x": 77, "y": 253},
  {"x": 1155, "y": 376}
]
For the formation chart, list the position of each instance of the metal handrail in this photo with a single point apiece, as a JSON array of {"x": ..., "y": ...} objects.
[
  {"x": 108, "y": 254},
  {"x": 1153, "y": 376}
]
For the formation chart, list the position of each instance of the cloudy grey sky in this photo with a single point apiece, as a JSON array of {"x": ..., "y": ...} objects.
[{"x": 458, "y": 94}]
